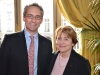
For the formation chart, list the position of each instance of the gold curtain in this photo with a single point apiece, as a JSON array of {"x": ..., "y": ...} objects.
[
  {"x": 73, "y": 11},
  {"x": 17, "y": 11},
  {"x": 56, "y": 22}
]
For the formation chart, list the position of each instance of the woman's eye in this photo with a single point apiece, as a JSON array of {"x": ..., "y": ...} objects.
[
  {"x": 66, "y": 39},
  {"x": 58, "y": 38}
]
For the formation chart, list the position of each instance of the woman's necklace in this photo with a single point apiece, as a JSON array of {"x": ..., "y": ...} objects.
[{"x": 62, "y": 61}]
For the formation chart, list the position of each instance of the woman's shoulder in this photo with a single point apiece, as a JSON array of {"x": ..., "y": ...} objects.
[
  {"x": 79, "y": 56},
  {"x": 55, "y": 52}
]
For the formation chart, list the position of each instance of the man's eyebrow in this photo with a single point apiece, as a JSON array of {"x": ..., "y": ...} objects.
[
  {"x": 29, "y": 14},
  {"x": 33, "y": 15}
]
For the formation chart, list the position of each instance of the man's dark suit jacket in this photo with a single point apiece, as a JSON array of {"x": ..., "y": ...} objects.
[
  {"x": 77, "y": 65},
  {"x": 14, "y": 56}
]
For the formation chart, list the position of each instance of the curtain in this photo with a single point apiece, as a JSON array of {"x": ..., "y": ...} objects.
[
  {"x": 75, "y": 11},
  {"x": 17, "y": 10}
]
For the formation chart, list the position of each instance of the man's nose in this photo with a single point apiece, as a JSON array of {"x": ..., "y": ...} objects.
[{"x": 33, "y": 19}]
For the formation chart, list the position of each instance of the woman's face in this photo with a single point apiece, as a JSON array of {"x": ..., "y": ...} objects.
[{"x": 64, "y": 43}]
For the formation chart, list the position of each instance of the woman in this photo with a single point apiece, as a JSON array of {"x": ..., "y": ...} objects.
[{"x": 66, "y": 61}]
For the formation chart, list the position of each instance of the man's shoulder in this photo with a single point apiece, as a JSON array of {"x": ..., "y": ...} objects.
[
  {"x": 44, "y": 38},
  {"x": 13, "y": 35}
]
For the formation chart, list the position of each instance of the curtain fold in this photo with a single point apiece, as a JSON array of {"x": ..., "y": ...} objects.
[{"x": 73, "y": 11}]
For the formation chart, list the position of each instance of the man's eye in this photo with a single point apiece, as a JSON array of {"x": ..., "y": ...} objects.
[
  {"x": 29, "y": 16},
  {"x": 38, "y": 17}
]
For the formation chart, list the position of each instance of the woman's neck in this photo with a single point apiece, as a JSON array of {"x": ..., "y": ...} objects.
[{"x": 65, "y": 54}]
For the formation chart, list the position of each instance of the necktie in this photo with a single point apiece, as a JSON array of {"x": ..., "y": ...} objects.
[{"x": 31, "y": 56}]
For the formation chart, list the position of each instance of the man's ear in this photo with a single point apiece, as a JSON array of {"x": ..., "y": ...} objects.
[{"x": 24, "y": 18}]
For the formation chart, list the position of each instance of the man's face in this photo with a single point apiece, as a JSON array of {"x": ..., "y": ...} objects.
[{"x": 32, "y": 19}]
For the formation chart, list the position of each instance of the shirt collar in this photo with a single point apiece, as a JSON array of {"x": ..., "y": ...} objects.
[{"x": 27, "y": 34}]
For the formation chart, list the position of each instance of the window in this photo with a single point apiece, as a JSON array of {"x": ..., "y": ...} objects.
[
  {"x": 47, "y": 25},
  {"x": 7, "y": 24}
]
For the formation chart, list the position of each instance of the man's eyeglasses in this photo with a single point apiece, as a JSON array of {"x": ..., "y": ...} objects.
[{"x": 37, "y": 17}]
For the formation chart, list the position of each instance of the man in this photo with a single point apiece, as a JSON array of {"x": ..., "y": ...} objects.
[{"x": 15, "y": 47}]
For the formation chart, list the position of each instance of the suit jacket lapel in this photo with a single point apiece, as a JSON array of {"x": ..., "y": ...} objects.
[
  {"x": 23, "y": 47},
  {"x": 41, "y": 53},
  {"x": 71, "y": 63},
  {"x": 41, "y": 48},
  {"x": 54, "y": 56}
]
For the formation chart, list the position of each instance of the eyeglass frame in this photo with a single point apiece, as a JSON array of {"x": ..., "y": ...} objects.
[{"x": 37, "y": 17}]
